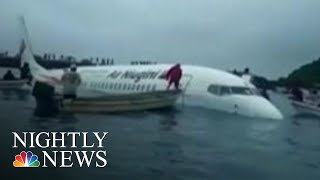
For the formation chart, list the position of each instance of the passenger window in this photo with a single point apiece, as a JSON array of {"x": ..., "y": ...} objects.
[
  {"x": 138, "y": 87},
  {"x": 129, "y": 87},
  {"x": 133, "y": 87},
  {"x": 124, "y": 87},
  {"x": 148, "y": 87},
  {"x": 111, "y": 86},
  {"x": 154, "y": 87},
  {"x": 142, "y": 87},
  {"x": 119, "y": 87},
  {"x": 214, "y": 89}
]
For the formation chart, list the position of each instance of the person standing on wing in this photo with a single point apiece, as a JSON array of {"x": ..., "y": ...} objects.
[
  {"x": 70, "y": 81},
  {"x": 173, "y": 76}
]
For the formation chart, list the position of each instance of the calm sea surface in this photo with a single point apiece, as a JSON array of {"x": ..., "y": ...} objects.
[{"x": 181, "y": 143}]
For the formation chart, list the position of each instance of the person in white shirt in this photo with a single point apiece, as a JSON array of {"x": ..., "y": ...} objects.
[{"x": 70, "y": 82}]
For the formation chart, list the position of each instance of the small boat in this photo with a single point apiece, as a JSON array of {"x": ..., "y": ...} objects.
[
  {"x": 121, "y": 103},
  {"x": 12, "y": 83},
  {"x": 306, "y": 107}
]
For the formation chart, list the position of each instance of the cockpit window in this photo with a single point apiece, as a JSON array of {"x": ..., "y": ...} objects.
[
  {"x": 219, "y": 90},
  {"x": 224, "y": 90},
  {"x": 214, "y": 89},
  {"x": 241, "y": 90},
  {"x": 255, "y": 91}
]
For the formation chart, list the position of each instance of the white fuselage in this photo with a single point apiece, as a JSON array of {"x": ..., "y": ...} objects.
[{"x": 231, "y": 93}]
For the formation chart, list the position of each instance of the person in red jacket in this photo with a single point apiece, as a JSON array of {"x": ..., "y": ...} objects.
[{"x": 173, "y": 76}]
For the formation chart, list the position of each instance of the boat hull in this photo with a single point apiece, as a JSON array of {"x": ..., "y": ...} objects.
[
  {"x": 305, "y": 108},
  {"x": 121, "y": 103}
]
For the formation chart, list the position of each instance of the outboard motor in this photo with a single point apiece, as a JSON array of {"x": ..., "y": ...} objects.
[{"x": 47, "y": 105}]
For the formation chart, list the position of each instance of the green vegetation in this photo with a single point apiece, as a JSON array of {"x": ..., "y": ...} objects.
[
  {"x": 14, "y": 62},
  {"x": 306, "y": 76}
]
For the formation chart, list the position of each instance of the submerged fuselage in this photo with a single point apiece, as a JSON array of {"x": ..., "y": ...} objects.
[{"x": 207, "y": 87}]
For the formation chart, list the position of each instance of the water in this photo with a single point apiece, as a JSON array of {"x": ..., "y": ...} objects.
[{"x": 190, "y": 143}]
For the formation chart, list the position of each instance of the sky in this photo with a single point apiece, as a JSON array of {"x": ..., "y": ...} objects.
[{"x": 271, "y": 37}]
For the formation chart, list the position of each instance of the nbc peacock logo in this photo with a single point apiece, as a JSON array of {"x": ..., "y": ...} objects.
[{"x": 26, "y": 160}]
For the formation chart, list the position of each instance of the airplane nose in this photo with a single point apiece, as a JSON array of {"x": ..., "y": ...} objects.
[
  {"x": 260, "y": 107},
  {"x": 267, "y": 110}
]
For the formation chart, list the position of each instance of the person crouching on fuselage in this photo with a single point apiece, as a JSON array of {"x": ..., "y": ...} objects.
[{"x": 173, "y": 76}]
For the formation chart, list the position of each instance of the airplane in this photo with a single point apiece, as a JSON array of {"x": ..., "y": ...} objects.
[{"x": 203, "y": 86}]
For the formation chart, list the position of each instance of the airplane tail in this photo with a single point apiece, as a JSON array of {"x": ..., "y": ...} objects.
[{"x": 38, "y": 72}]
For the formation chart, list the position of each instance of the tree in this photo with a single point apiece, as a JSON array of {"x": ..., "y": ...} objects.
[{"x": 103, "y": 62}]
